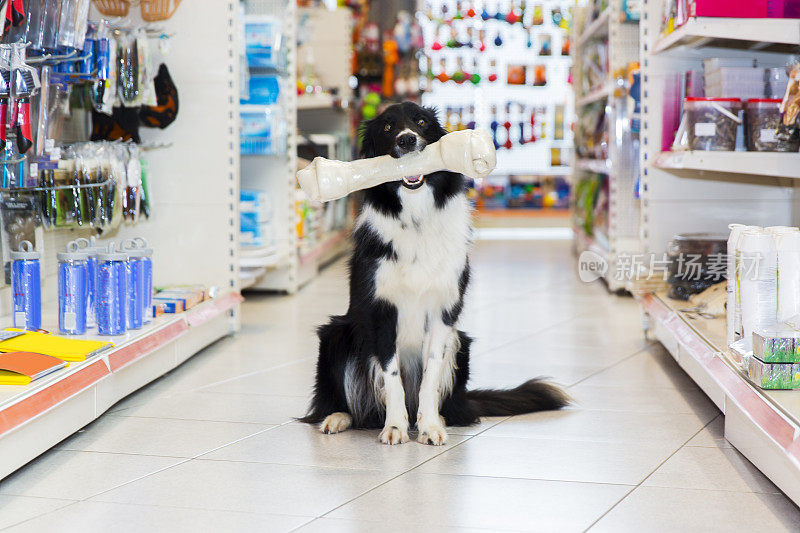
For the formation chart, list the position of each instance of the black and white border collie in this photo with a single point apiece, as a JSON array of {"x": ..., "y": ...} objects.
[{"x": 397, "y": 353}]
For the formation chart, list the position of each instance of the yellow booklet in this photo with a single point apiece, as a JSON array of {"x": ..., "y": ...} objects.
[{"x": 61, "y": 347}]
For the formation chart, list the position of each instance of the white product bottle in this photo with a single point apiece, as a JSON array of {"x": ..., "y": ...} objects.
[
  {"x": 788, "y": 245},
  {"x": 758, "y": 280},
  {"x": 734, "y": 310}
]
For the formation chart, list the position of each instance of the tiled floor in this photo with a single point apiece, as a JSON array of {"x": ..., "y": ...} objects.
[{"x": 212, "y": 446}]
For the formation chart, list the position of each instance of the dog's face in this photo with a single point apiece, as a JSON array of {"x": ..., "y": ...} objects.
[{"x": 399, "y": 130}]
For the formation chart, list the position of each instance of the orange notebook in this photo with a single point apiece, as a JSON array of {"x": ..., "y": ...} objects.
[{"x": 20, "y": 368}]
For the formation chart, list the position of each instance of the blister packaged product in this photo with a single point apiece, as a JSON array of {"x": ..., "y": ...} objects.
[
  {"x": 128, "y": 56},
  {"x": 777, "y": 344},
  {"x": 773, "y": 376},
  {"x": 133, "y": 187},
  {"x": 790, "y": 107},
  {"x": 711, "y": 123}
]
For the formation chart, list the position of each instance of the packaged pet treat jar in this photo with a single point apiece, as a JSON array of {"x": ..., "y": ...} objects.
[
  {"x": 72, "y": 290},
  {"x": 26, "y": 282},
  {"x": 712, "y": 122},
  {"x": 761, "y": 119}
]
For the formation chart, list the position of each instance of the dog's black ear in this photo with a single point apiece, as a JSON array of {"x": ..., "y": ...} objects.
[
  {"x": 433, "y": 119},
  {"x": 368, "y": 148}
]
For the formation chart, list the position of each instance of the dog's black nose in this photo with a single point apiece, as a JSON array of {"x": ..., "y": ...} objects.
[{"x": 407, "y": 141}]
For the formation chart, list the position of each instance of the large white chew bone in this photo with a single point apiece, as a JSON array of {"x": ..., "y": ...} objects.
[{"x": 468, "y": 152}]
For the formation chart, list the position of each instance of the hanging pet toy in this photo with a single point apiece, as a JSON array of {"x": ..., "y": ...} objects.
[
  {"x": 471, "y": 123},
  {"x": 493, "y": 70},
  {"x": 494, "y": 125},
  {"x": 499, "y": 14},
  {"x": 471, "y": 12},
  {"x": 512, "y": 16},
  {"x": 482, "y": 38},
  {"x": 507, "y": 125},
  {"x": 436, "y": 46},
  {"x": 442, "y": 76},
  {"x": 533, "y": 125},
  {"x": 498, "y": 41},
  {"x": 459, "y": 76},
  {"x": 475, "y": 78}
]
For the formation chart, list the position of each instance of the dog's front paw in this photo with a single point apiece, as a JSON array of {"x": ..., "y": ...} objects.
[
  {"x": 394, "y": 435},
  {"x": 336, "y": 423},
  {"x": 434, "y": 434}
]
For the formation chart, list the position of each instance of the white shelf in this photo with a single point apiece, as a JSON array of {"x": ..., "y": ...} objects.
[
  {"x": 778, "y": 164},
  {"x": 597, "y": 28},
  {"x": 763, "y": 425},
  {"x": 601, "y": 166},
  {"x": 315, "y": 101},
  {"x": 327, "y": 248},
  {"x": 258, "y": 256},
  {"x": 701, "y": 31},
  {"x": 35, "y": 417},
  {"x": 594, "y": 96}
]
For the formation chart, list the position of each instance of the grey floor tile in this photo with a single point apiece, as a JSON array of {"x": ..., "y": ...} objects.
[
  {"x": 248, "y": 487},
  {"x": 483, "y": 502},
  {"x": 669, "y": 510},
  {"x": 16, "y": 509},
  {"x": 88, "y": 517},
  {"x": 74, "y": 475}
]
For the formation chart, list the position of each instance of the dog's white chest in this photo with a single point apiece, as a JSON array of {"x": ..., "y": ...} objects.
[{"x": 430, "y": 245}]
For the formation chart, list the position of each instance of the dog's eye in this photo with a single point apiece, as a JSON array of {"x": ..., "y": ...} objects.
[
  {"x": 421, "y": 122},
  {"x": 387, "y": 127}
]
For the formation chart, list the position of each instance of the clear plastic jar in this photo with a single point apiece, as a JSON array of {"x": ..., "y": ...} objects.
[
  {"x": 712, "y": 122},
  {"x": 761, "y": 119}
]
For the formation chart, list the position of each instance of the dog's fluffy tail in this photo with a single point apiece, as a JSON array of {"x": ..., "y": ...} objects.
[{"x": 533, "y": 395}]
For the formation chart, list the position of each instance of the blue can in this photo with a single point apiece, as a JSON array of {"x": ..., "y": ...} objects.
[
  {"x": 90, "y": 249},
  {"x": 147, "y": 267},
  {"x": 111, "y": 291},
  {"x": 134, "y": 270},
  {"x": 26, "y": 283},
  {"x": 72, "y": 281}
]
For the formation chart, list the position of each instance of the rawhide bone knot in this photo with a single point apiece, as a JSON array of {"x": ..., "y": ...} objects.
[{"x": 468, "y": 152}]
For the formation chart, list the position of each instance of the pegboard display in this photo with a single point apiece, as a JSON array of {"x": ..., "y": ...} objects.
[{"x": 503, "y": 68}]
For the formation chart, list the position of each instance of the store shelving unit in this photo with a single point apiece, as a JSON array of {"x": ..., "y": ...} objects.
[
  {"x": 193, "y": 230},
  {"x": 35, "y": 417},
  {"x": 704, "y": 192},
  {"x": 293, "y": 261},
  {"x": 623, "y": 217},
  {"x": 758, "y": 33},
  {"x": 763, "y": 425}
]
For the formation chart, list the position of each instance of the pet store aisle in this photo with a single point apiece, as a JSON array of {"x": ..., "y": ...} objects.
[{"x": 212, "y": 446}]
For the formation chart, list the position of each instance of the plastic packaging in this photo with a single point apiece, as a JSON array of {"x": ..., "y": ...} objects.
[
  {"x": 712, "y": 122},
  {"x": 758, "y": 281},
  {"x": 147, "y": 269},
  {"x": 734, "y": 311},
  {"x": 761, "y": 118},
  {"x": 91, "y": 250},
  {"x": 778, "y": 343},
  {"x": 776, "y": 376},
  {"x": 72, "y": 290},
  {"x": 27, "y": 286},
  {"x": 111, "y": 291},
  {"x": 787, "y": 243},
  {"x": 135, "y": 290}
]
